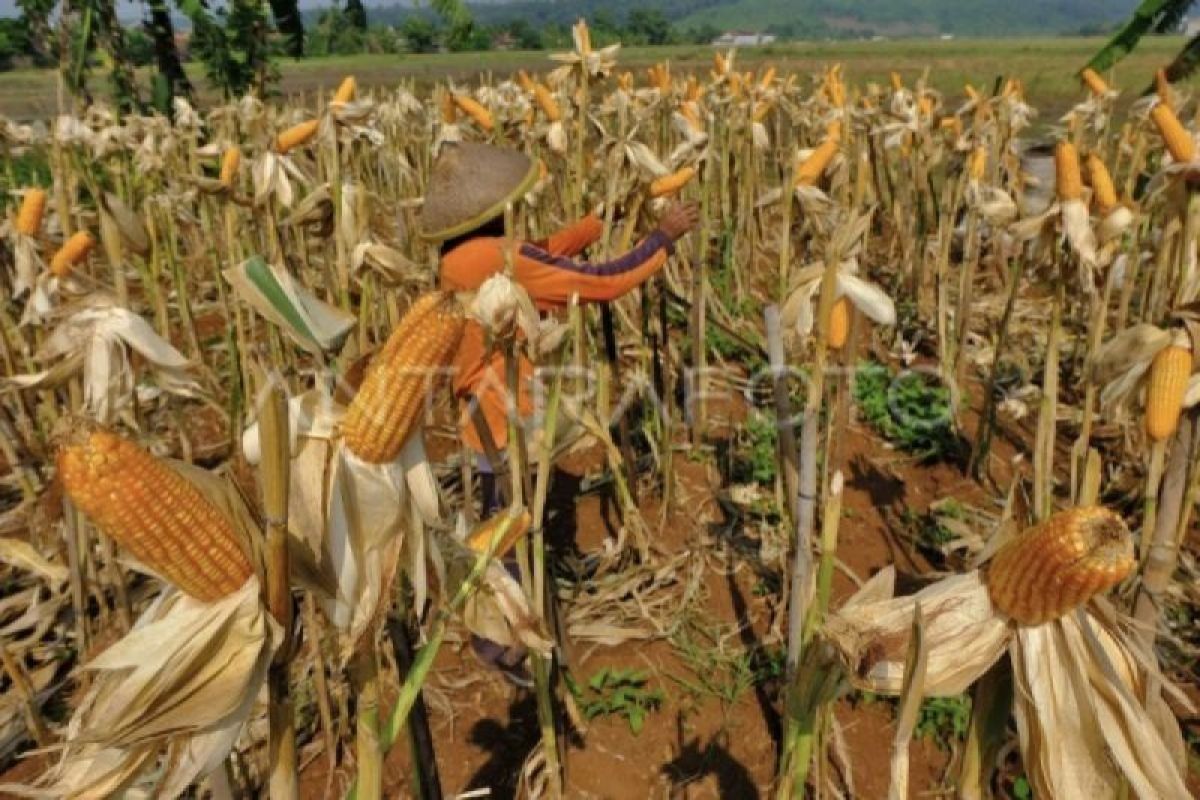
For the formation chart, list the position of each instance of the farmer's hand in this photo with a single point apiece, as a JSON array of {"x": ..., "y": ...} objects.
[{"x": 679, "y": 219}]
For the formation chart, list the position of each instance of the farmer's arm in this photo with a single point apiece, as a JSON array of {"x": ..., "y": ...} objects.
[
  {"x": 571, "y": 240},
  {"x": 551, "y": 280}
]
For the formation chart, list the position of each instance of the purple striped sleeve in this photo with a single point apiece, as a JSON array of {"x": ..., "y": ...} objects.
[{"x": 606, "y": 269}]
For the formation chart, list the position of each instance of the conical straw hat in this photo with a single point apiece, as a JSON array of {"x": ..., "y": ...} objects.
[{"x": 469, "y": 185}]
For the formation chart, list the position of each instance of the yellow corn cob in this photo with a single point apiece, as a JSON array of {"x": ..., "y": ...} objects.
[
  {"x": 953, "y": 125},
  {"x": 230, "y": 160},
  {"x": 479, "y": 539},
  {"x": 73, "y": 251},
  {"x": 834, "y": 130},
  {"x": 388, "y": 407},
  {"x": 346, "y": 90},
  {"x": 977, "y": 165},
  {"x": 670, "y": 184},
  {"x": 837, "y": 92},
  {"x": 1069, "y": 181},
  {"x": 29, "y": 218},
  {"x": 1103, "y": 191},
  {"x": 1058, "y": 565},
  {"x": 547, "y": 102},
  {"x": 1162, "y": 87},
  {"x": 296, "y": 136},
  {"x": 767, "y": 79},
  {"x": 735, "y": 84},
  {"x": 660, "y": 77},
  {"x": 1179, "y": 142},
  {"x": 449, "y": 110},
  {"x": 524, "y": 80},
  {"x": 694, "y": 90},
  {"x": 1097, "y": 85},
  {"x": 925, "y": 106},
  {"x": 720, "y": 65},
  {"x": 690, "y": 111},
  {"x": 761, "y": 109},
  {"x": 584, "y": 36},
  {"x": 475, "y": 110},
  {"x": 154, "y": 513},
  {"x": 897, "y": 81},
  {"x": 813, "y": 167},
  {"x": 1165, "y": 387},
  {"x": 839, "y": 323}
]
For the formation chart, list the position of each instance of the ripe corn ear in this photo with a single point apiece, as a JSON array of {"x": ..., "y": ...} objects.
[
  {"x": 977, "y": 165},
  {"x": 1179, "y": 142},
  {"x": 897, "y": 81},
  {"x": 230, "y": 161},
  {"x": 296, "y": 136},
  {"x": 670, "y": 184},
  {"x": 475, "y": 110},
  {"x": 813, "y": 167},
  {"x": 29, "y": 218},
  {"x": 346, "y": 90},
  {"x": 1069, "y": 180},
  {"x": 479, "y": 539},
  {"x": 388, "y": 407},
  {"x": 154, "y": 513},
  {"x": 1166, "y": 386},
  {"x": 73, "y": 251},
  {"x": 1103, "y": 191},
  {"x": 839, "y": 323},
  {"x": 546, "y": 102},
  {"x": 1162, "y": 87},
  {"x": 767, "y": 79},
  {"x": 1058, "y": 565},
  {"x": 1097, "y": 85}
]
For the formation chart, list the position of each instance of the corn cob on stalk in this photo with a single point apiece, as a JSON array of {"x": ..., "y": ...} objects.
[
  {"x": 479, "y": 539},
  {"x": 475, "y": 110},
  {"x": 1058, "y": 565},
  {"x": 73, "y": 251},
  {"x": 155, "y": 513},
  {"x": 977, "y": 165},
  {"x": 230, "y": 161},
  {"x": 761, "y": 109},
  {"x": 388, "y": 407},
  {"x": 670, "y": 184},
  {"x": 1162, "y": 87},
  {"x": 1103, "y": 191},
  {"x": 1179, "y": 142},
  {"x": 296, "y": 136},
  {"x": 897, "y": 81},
  {"x": 524, "y": 81},
  {"x": 29, "y": 218},
  {"x": 813, "y": 167},
  {"x": 767, "y": 79},
  {"x": 546, "y": 102},
  {"x": 1165, "y": 388},
  {"x": 839, "y": 323},
  {"x": 1095, "y": 84},
  {"x": 346, "y": 90},
  {"x": 1069, "y": 180},
  {"x": 449, "y": 110}
]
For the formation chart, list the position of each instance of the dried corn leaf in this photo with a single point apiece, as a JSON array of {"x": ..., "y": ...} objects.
[
  {"x": 22, "y": 555},
  {"x": 962, "y": 631}
]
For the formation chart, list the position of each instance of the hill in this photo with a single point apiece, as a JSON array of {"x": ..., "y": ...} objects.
[{"x": 818, "y": 18}]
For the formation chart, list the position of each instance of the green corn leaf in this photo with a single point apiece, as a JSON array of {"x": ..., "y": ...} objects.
[{"x": 311, "y": 323}]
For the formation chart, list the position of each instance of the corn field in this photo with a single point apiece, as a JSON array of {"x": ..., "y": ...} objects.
[{"x": 909, "y": 421}]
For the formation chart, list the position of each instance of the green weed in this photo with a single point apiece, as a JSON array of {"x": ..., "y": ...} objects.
[
  {"x": 617, "y": 692},
  {"x": 908, "y": 410}
]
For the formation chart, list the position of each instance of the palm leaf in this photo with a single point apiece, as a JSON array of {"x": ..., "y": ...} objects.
[{"x": 1150, "y": 15}]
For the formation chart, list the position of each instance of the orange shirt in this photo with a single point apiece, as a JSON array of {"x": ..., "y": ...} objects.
[{"x": 548, "y": 272}]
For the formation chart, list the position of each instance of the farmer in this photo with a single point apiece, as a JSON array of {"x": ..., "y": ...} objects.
[{"x": 469, "y": 187}]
